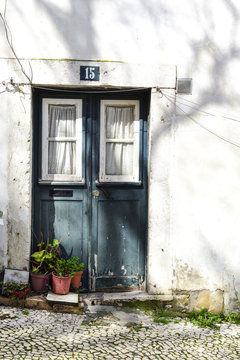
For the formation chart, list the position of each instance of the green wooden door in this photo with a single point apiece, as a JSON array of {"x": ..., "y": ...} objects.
[{"x": 90, "y": 182}]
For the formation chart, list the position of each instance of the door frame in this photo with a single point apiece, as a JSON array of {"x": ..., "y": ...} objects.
[{"x": 143, "y": 96}]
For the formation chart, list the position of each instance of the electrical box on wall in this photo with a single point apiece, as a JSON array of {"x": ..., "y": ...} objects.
[{"x": 184, "y": 86}]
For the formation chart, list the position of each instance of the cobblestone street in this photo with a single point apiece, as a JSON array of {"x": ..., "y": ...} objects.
[{"x": 35, "y": 334}]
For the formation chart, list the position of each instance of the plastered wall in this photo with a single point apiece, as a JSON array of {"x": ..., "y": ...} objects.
[
  {"x": 16, "y": 178},
  {"x": 194, "y": 139}
]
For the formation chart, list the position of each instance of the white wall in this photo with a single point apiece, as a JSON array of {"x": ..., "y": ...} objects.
[
  {"x": 15, "y": 178},
  {"x": 201, "y": 190},
  {"x": 3, "y": 181},
  {"x": 189, "y": 33}
]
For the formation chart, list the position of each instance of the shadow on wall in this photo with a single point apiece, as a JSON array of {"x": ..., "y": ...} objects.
[
  {"x": 88, "y": 30},
  {"x": 84, "y": 36}
]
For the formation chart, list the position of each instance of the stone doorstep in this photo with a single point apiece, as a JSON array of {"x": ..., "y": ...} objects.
[
  {"x": 99, "y": 298},
  {"x": 108, "y": 299},
  {"x": 68, "y": 299}
]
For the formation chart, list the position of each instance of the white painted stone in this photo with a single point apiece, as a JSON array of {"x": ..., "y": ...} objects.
[
  {"x": 18, "y": 276},
  {"x": 70, "y": 298},
  {"x": 58, "y": 72}
]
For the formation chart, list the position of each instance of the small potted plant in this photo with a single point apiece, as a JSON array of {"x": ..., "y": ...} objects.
[
  {"x": 77, "y": 268},
  {"x": 14, "y": 290},
  {"x": 62, "y": 276},
  {"x": 43, "y": 261}
]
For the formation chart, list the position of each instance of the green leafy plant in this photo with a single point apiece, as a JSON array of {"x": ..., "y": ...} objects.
[
  {"x": 14, "y": 290},
  {"x": 203, "y": 318},
  {"x": 43, "y": 260},
  {"x": 163, "y": 317},
  {"x": 25, "y": 312},
  {"x": 63, "y": 268},
  {"x": 138, "y": 327},
  {"x": 75, "y": 265},
  {"x": 233, "y": 318}
]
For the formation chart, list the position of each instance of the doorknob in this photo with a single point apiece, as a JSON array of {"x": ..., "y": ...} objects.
[{"x": 96, "y": 194}]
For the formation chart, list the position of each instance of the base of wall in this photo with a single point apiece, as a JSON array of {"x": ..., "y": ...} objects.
[{"x": 187, "y": 301}]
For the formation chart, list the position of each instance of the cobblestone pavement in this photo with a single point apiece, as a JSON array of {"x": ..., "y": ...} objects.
[{"x": 39, "y": 334}]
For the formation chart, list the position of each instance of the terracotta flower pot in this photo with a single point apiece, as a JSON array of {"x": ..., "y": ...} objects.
[
  {"x": 61, "y": 285},
  {"x": 77, "y": 279},
  {"x": 39, "y": 282}
]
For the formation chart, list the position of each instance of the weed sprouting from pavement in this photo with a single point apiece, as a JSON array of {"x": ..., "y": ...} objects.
[{"x": 25, "y": 312}]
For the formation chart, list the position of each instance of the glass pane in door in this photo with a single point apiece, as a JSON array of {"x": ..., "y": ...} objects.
[
  {"x": 119, "y": 122},
  {"x": 62, "y": 157},
  {"x": 62, "y": 121},
  {"x": 119, "y": 140},
  {"x": 119, "y": 159}
]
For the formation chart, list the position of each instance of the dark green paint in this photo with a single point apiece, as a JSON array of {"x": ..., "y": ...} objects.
[
  {"x": 118, "y": 237},
  {"x": 107, "y": 233}
]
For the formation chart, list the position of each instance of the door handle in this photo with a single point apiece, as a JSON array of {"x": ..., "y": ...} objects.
[
  {"x": 106, "y": 193},
  {"x": 96, "y": 194}
]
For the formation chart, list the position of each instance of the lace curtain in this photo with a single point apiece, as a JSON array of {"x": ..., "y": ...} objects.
[
  {"x": 119, "y": 140},
  {"x": 61, "y": 150}
]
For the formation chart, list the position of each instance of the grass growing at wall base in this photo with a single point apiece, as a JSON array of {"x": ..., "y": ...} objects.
[{"x": 201, "y": 318}]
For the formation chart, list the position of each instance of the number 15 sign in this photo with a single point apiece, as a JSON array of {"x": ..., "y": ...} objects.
[{"x": 89, "y": 73}]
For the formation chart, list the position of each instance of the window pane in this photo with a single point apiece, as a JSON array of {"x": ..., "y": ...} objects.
[
  {"x": 119, "y": 159},
  {"x": 62, "y": 121},
  {"x": 119, "y": 122},
  {"x": 62, "y": 157}
]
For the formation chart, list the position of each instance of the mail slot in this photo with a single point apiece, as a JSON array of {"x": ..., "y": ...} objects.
[{"x": 61, "y": 193}]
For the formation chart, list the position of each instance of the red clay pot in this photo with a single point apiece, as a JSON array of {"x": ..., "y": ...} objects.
[
  {"x": 77, "y": 279},
  {"x": 61, "y": 285},
  {"x": 40, "y": 282}
]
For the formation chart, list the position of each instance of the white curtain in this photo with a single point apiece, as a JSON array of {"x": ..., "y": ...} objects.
[
  {"x": 62, "y": 154},
  {"x": 119, "y": 126},
  {"x": 119, "y": 159},
  {"x": 62, "y": 121}
]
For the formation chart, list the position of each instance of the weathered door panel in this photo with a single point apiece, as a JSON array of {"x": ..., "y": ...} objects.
[
  {"x": 119, "y": 219},
  {"x": 118, "y": 243},
  {"x": 65, "y": 218}
]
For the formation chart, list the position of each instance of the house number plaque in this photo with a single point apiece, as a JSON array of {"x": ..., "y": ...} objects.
[{"x": 89, "y": 73}]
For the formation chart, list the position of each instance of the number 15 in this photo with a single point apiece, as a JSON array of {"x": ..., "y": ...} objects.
[{"x": 89, "y": 72}]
